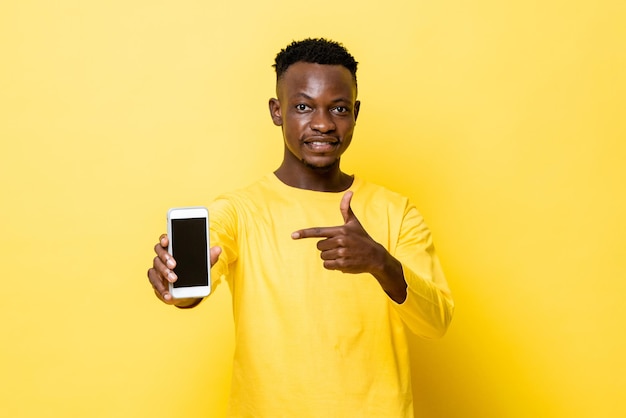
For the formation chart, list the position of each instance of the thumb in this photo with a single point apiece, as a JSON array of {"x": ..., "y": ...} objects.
[
  {"x": 215, "y": 254},
  {"x": 344, "y": 207}
]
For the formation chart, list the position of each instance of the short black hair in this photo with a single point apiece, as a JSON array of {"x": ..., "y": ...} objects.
[{"x": 315, "y": 51}]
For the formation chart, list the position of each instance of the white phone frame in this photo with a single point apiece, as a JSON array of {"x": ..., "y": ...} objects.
[{"x": 187, "y": 213}]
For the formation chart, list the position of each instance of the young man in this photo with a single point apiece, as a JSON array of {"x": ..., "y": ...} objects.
[{"x": 320, "y": 337}]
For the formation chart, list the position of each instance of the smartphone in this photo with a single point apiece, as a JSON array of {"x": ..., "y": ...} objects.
[{"x": 188, "y": 232}]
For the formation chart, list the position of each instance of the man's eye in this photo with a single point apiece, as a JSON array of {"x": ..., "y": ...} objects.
[
  {"x": 341, "y": 109},
  {"x": 301, "y": 107}
]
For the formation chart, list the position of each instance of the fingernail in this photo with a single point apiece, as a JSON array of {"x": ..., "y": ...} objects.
[
  {"x": 171, "y": 276},
  {"x": 170, "y": 263},
  {"x": 295, "y": 235}
]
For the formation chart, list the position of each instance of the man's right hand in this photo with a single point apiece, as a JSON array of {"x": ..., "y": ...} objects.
[{"x": 162, "y": 273}]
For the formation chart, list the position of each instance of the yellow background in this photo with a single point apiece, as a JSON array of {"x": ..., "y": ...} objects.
[{"x": 504, "y": 121}]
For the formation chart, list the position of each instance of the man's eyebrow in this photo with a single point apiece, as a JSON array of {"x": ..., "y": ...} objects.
[
  {"x": 303, "y": 95},
  {"x": 307, "y": 97}
]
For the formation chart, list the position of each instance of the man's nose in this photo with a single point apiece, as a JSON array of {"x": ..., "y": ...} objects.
[{"x": 322, "y": 121}]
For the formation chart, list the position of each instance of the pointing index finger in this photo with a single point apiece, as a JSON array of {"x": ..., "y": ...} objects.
[{"x": 317, "y": 232}]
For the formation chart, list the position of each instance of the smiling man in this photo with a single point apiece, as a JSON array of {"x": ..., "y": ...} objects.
[{"x": 327, "y": 270}]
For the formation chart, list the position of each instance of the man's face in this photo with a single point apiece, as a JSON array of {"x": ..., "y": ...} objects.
[{"x": 317, "y": 110}]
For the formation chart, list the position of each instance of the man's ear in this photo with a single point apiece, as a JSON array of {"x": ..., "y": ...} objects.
[
  {"x": 357, "y": 107},
  {"x": 275, "y": 112}
]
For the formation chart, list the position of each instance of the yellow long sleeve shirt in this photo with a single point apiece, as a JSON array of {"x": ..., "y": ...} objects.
[{"x": 312, "y": 342}]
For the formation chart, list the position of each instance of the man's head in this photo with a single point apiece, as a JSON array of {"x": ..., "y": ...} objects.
[
  {"x": 316, "y": 104},
  {"x": 314, "y": 51}
]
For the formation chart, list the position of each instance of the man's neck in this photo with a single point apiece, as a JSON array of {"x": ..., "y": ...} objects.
[{"x": 330, "y": 179}]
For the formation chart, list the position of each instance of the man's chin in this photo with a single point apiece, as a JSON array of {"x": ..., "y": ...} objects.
[{"x": 321, "y": 166}]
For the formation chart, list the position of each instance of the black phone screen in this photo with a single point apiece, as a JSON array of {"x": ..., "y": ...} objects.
[{"x": 189, "y": 248}]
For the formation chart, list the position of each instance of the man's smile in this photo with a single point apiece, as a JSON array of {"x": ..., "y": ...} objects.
[{"x": 322, "y": 144}]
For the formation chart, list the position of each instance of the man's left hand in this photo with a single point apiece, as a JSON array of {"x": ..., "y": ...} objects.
[{"x": 347, "y": 247}]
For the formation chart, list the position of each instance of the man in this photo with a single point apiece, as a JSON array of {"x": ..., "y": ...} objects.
[{"x": 320, "y": 338}]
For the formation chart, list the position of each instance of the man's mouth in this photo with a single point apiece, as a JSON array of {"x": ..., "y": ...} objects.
[{"x": 321, "y": 145}]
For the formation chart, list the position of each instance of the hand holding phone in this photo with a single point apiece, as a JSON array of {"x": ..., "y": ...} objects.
[{"x": 188, "y": 232}]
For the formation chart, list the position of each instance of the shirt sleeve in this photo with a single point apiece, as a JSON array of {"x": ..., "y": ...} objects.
[
  {"x": 428, "y": 308},
  {"x": 223, "y": 231}
]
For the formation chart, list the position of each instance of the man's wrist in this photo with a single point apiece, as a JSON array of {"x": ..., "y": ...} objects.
[{"x": 391, "y": 279}]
